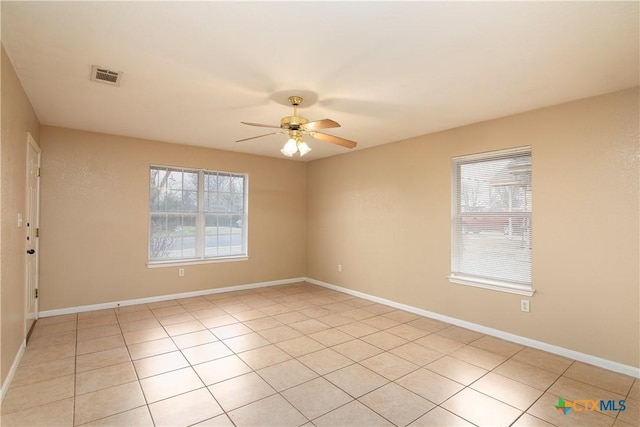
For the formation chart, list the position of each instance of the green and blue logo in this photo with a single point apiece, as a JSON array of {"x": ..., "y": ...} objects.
[{"x": 563, "y": 406}]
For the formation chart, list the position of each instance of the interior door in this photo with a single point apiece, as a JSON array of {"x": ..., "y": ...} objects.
[{"x": 32, "y": 217}]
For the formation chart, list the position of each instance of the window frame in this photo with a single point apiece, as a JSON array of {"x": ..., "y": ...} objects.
[
  {"x": 200, "y": 214},
  {"x": 491, "y": 283}
]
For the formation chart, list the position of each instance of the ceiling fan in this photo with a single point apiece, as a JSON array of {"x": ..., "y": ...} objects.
[{"x": 296, "y": 126}]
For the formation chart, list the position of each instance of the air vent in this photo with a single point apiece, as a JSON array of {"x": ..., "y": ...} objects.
[{"x": 103, "y": 75}]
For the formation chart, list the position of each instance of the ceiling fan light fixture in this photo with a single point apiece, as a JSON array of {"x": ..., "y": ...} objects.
[
  {"x": 303, "y": 148},
  {"x": 290, "y": 147}
]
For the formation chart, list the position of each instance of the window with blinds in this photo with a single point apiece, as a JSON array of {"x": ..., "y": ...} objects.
[
  {"x": 196, "y": 215},
  {"x": 491, "y": 220}
]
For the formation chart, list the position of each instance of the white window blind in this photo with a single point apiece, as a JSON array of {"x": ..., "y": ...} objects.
[
  {"x": 196, "y": 214},
  {"x": 491, "y": 220}
]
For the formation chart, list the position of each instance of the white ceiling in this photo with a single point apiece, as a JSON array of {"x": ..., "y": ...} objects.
[{"x": 385, "y": 71}]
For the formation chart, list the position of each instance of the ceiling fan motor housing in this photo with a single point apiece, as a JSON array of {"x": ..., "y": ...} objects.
[{"x": 293, "y": 122}]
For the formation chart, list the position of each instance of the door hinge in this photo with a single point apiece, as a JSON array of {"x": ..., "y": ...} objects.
[
  {"x": 38, "y": 172},
  {"x": 36, "y": 292},
  {"x": 37, "y": 232}
]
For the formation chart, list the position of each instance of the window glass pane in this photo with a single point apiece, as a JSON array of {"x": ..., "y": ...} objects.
[
  {"x": 208, "y": 200},
  {"x": 237, "y": 224},
  {"x": 173, "y": 190},
  {"x": 171, "y": 200},
  {"x": 224, "y": 222},
  {"x": 492, "y": 218},
  {"x": 181, "y": 229},
  {"x": 224, "y": 183},
  {"x": 495, "y": 248},
  {"x": 172, "y": 236},
  {"x": 160, "y": 239},
  {"x": 211, "y": 182},
  {"x": 190, "y": 201},
  {"x": 224, "y": 202},
  {"x": 211, "y": 235},
  {"x": 498, "y": 185},
  {"x": 190, "y": 181},
  {"x": 238, "y": 203},
  {"x": 188, "y": 236},
  {"x": 154, "y": 199},
  {"x": 174, "y": 180},
  {"x": 237, "y": 184},
  {"x": 156, "y": 178}
]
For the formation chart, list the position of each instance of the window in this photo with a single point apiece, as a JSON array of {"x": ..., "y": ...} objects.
[
  {"x": 196, "y": 215},
  {"x": 491, "y": 221}
]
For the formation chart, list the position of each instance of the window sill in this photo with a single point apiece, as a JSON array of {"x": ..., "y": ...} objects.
[
  {"x": 493, "y": 285},
  {"x": 183, "y": 262}
]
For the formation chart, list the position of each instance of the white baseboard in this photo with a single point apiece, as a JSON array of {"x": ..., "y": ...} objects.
[
  {"x": 572, "y": 354},
  {"x": 12, "y": 371},
  {"x": 115, "y": 304}
]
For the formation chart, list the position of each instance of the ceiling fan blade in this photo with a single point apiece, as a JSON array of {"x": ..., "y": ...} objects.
[
  {"x": 334, "y": 139},
  {"x": 320, "y": 124},
  {"x": 260, "y": 125},
  {"x": 259, "y": 136}
]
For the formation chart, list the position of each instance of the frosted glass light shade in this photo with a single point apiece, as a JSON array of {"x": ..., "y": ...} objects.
[
  {"x": 303, "y": 148},
  {"x": 290, "y": 148}
]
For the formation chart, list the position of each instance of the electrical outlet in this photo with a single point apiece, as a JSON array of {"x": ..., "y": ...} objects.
[
  {"x": 340, "y": 268},
  {"x": 524, "y": 305},
  {"x": 181, "y": 272}
]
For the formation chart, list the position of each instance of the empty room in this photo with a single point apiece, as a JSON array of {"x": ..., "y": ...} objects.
[{"x": 288, "y": 213}]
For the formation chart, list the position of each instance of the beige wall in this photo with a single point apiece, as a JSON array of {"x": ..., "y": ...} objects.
[
  {"x": 94, "y": 221},
  {"x": 18, "y": 118},
  {"x": 384, "y": 214}
]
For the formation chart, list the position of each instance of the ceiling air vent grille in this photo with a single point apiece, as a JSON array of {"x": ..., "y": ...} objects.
[{"x": 103, "y": 75}]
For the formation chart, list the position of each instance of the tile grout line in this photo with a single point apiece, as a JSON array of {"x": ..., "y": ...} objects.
[
  {"x": 546, "y": 391},
  {"x": 144, "y": 395},
  {"x": 75, "y": 373}
]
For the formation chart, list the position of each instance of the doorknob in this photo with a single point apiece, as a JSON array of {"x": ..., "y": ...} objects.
[{"x": 31, "y": 251}]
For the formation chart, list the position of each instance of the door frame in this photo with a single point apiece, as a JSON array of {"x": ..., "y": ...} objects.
[{"x": 35, "y": 225}]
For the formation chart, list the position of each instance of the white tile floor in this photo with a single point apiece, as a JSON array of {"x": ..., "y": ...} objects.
[{"x": 294, "y": 355}]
